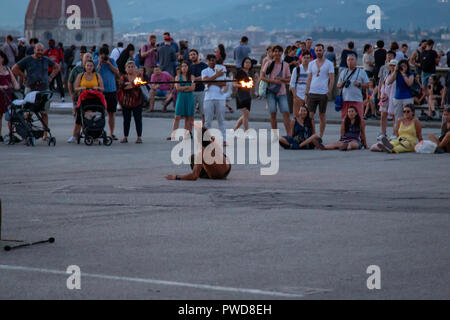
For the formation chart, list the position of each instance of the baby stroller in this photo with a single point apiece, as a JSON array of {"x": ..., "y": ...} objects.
[
  {"x": 26, "y": 120},
  {"x": 93, "y": 118}
]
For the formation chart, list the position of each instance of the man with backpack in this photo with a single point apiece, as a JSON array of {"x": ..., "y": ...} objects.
[
  {"x": 276, "y": 74},
  {"x": 56, "y": 55},
  {"x": 429, "y": 60},
  {"x": 298, "y": 82}
]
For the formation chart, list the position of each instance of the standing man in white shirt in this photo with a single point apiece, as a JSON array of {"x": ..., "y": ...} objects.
[
  {"x": 215, "y": 100},
  {"x": 115, "y": 53},
  {"x": 319, "y": 86}
]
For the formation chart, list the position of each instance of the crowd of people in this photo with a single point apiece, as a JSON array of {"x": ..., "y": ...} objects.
[{"x": 297, "y": 81}]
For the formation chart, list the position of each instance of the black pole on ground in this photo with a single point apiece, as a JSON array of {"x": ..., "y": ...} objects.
[{"x": 22, "y": 244}]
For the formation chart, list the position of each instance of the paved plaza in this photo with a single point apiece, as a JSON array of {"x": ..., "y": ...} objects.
[{"x": 309, "y": 232}]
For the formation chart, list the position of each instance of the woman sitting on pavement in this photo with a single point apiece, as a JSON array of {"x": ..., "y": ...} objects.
[
  {"x": 303, "y": 133},
  {"x": 408, "y": 131},
  {"x": 353, "y": 133},
  {"x": 444, "y": 141},
  {"x": 436, "y": 97},
  {"x": 89, "y": 80}
]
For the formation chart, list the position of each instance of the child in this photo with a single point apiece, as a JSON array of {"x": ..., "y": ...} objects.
[{"x": 369, "y": 102}]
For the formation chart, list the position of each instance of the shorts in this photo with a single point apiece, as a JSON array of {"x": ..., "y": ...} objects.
[
  {"x": 203, "y": 174},
  {"x": 399, "y": 104},
  {"x": 199, "y": 98},
  {"x": 47, "y": 104},
  {"x": 296, "y": 146},
  {"x": 315, "y": 100},
  {"x": 344, "y": 140},
  {"x": 161, "y": 93},
  {"x": 78, "y": 117},
  {"x": 111, "y": 101},
  {"x": 281, "y": 101},
  {"x": 243, "y": 104},
  {"x": 426, "y": 78}
]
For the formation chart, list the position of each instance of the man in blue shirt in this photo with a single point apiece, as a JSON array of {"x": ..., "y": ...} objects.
[
  {"x": 241, "y": 52},
  {"x": 107, "y": 68}
]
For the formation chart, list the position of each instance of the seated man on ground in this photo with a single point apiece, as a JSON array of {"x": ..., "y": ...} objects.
[
  {"x": 217, "y": 170},
  {"x": 353, "y": 133},
  {"x": 162, "y": 90},
  {"x": 444, "y": 141},
  {"x": 303, "y": 133},
  {"x": 408, "y": 131}
]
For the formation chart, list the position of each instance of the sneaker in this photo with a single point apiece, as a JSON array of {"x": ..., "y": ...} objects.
[
  {"x": 62, "y": 99},
  {"x": 384, "y": 148},
  {"x": 387, "y": 143},
  {"x": 439, "y": 150},
  {"x": 1, "y": 139},
  {"x": 72, "y": 140},
  {"x": 114, "y": 138},
  {"x": 381, "y": 136}
]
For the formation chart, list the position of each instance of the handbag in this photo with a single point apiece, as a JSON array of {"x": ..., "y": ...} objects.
[
  {"x": 262, "y": 91},
  {"x": 273, "y": 87}
]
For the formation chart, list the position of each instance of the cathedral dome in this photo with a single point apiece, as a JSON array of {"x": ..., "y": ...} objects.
[{"x": 46, "y": 19}]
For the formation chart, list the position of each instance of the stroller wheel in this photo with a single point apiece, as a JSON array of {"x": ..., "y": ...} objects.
[
  {"x": 108, "y": 141},
  {"x": 51, "y": 142},
  {"x": 79, "y": 138},
  {"x": 31, "y": 141},
  {"x": 89, "y": 141}
]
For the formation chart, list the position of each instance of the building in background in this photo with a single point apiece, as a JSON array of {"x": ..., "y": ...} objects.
[{"x": 47, "y": 19}]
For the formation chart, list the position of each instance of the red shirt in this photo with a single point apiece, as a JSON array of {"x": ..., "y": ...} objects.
[{"x": 55, "y": 55}]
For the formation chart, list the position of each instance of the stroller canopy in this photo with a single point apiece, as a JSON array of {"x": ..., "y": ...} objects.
[{"x": 91, "y": 94}]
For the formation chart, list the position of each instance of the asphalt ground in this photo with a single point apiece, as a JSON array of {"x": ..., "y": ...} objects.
[{"x": 309, "y": 232}]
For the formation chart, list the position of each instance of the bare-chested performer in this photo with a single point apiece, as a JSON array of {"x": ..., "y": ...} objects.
[{"x": 214, "y": 170}]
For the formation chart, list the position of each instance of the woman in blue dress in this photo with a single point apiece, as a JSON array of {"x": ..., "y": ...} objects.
[
  {"x": 303, "y": 133},
  {"x": 185, "y": 101}
]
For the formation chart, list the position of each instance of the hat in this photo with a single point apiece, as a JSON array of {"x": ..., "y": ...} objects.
[
  {"x": 22, "y": 39},
  {"x": 168, "y": 38},
  {"x": 393, "y": 62}
]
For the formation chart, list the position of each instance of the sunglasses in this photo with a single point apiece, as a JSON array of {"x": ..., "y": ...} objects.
[{"x": 406, "y": 111}]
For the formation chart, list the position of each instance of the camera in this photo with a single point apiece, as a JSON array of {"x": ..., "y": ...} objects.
[{"x": 347, "y": 83}]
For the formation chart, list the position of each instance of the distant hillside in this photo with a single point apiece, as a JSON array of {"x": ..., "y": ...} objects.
[{"x": 345, "y": 14}]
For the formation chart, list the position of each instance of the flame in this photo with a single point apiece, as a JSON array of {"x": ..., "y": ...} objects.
[
  {"x": 248, "y": 84},
  {"x": 138, "y": 82}
]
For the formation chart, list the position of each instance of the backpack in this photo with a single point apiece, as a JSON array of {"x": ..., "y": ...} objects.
[
  {"x": 141, "y": 58},
  {"x": 272, "y": 87}
]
